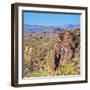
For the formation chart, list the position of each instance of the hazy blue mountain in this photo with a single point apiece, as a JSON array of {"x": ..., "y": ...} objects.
[
  {"x": 71, "y": 26},
  {"x": 47, "y": 28},
  {"x": 59, "y": 29},
  {"x": 33, "y": 28}
]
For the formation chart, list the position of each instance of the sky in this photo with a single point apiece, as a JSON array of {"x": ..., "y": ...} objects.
[{"x": 50, "y": 18}]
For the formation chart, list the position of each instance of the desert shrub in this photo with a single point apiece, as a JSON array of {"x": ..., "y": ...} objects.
[
  {"x": 72, "y": 68},
  {"x": 37, "y": 74}
]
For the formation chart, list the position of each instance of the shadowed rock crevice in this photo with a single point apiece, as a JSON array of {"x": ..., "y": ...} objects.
[{"x": 56, "y": 60}]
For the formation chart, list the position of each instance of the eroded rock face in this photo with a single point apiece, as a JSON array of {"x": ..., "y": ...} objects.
[{"x": 64, "y": 49}]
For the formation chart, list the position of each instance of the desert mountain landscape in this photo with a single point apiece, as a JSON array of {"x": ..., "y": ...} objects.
[{"x": 51, "y": 50}]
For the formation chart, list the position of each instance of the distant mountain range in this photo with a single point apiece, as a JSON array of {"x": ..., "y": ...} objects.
[{"x": 49, "y": 28}]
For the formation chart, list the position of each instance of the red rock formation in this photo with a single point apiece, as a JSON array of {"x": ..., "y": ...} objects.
[{"x": 65, "y": 47}]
